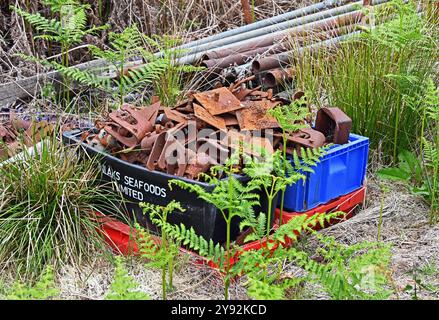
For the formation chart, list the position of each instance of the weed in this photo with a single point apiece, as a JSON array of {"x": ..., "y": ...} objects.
[
  {"x": 43, "y": 289},
  {"x": 123, "y": 286},
  {"x": 68, "y": 30},
  {"x": 160, "y": 256},
  {"x": 169, "y": 85},
  {"x": 230, "y": 197},
  {"x": 421, "y": 174},
  {"x": 358, "y": 271},
  {"x": 290, "y": 119},
  {"x": 371, "y": 75}
]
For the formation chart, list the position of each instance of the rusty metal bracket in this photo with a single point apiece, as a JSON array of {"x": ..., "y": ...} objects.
[
  {"x": 308, "y": 138},
  {"x": 334, "y": 124},
  {"x": 141, "y": 117}
]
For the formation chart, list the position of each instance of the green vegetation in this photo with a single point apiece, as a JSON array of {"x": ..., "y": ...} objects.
[
  {"x": 124, "y": 287},
  {"x": 171, "y": 82},
  {"x": 161, "y": 255},
  {"x": 290, "y": 118},
  {"x": 68, "y": 30},
  {"x": 374, "y": 76},
  {"x": 358, "y": 271},
  {"x": 43, "y": 289},
  {"x": 421, "y": 173},
  {"x": 48, "y": 203}
]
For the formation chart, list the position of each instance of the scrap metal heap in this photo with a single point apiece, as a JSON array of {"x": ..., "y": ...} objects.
[
  {"x": 18, "y": 132},
  {"x": 216, "y": 120}
]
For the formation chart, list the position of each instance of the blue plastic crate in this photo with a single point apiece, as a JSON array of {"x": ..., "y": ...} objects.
[{"x": 341, "y": 171}]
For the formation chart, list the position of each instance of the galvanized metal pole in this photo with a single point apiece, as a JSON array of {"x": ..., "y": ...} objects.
[
  {"x": 267, "y": 22},
  {"x": 273, "y": 28},
  {"x": 195, "y": 54}
]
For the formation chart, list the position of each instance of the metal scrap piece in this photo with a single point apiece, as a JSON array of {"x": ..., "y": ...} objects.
[
  {"x": 113, "y": 129},
  {"x": 204, "y": 115},
  {"x": 142, "y": 124},
  {"x": 156, "y": 151},
  {"x": 334, "y": 124},
  {"x": 175, "y": 151},
  {"x": 201, "y": 163},
  {"x": 254, "y": 116},
  {"x": 175, "y": 115},
  {"x": 218, "y": 101},
  {"x": 308, "y": 138},
  {"x": 148, "y": 141},
  {"x": 230, "y": 119}
]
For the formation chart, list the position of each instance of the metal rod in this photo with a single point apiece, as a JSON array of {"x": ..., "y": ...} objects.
[
  {"x": 267, "y": 22},
  {"x": 197, "y": 53},
  {"x": 275, "y": 39},
  {"x": 194, "y": 52}
]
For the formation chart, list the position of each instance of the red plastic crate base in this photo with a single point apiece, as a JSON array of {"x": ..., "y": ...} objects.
[
  {"x": 346, "y": 203},
  {"x": 121, "y": 237}
]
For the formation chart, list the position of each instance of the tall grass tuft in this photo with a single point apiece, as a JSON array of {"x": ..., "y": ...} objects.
[
  {"x": 374, "y": 76},
  {"x": 48, "y": 202}
]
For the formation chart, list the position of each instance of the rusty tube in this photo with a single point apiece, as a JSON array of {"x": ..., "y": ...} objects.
[
  {"x": 216, "y": 65},
  {"x": 278, "y": 76}
]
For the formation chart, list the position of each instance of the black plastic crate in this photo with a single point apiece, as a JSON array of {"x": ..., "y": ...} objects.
[{"x": 138, "y": 184}]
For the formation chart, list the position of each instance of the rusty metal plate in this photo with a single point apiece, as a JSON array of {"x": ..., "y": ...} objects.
[
  {"x": 218, "y": 101},
  {"x": 254, "y": 116},
  {"x": 175, "y": 115},
  {"x": 230, "y": 119},
  {"x": 204, "y": 115}
]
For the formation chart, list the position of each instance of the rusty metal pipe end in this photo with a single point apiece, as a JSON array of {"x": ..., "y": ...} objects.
[
  {"x": 269, "y": 80},
  {"x": 256, "y": 66}
]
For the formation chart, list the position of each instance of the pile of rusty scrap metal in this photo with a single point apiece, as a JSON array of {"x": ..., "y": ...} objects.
[
  {"x": 18, "y": 132},
  {"x": 150, "y": 136}
]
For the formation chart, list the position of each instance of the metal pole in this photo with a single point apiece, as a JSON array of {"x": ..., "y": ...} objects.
[
  {"x": 267, "y": 22},
  {"x": 273, "y": 28}
]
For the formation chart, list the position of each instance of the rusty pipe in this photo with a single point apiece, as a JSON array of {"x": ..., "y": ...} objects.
[
  {"x": 278, "y": 76},
  {"x": 216, "y": 65}
]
